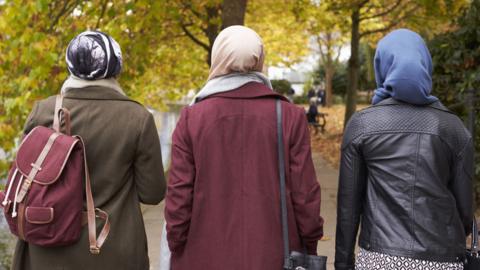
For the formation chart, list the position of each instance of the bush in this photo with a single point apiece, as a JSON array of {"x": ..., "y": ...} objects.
[
  {"x": 337, "y": 99},
  {"x": 283, "y": 87},
  {"x": 456, "y": 58},
  {"x": 303, "y": 99}
]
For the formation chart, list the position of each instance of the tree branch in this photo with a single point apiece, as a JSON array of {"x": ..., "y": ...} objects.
[
  {"x": 102, "y": 13},
  {"x": 351, "y": 5},
  {"x": 66, "y": 8},
  {"x": 363, "y": 3},
  {"x": 188, "y": 6},
  {"x": 385, "y": 12},
  {"x": 194, "y": 38},
  {"x": 337, "y": 58},
  {"x": 322, "y": 53},
  {"x": 369, "y": 8},
  {"x": 394, "y": 22}
]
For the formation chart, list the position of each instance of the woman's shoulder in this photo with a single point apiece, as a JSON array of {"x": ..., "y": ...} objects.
[
  {"x": 43, "y": 109},
  {"x": 47, "y": 102},
  {"x": 293, "y": 109},
  {"x": 432, "y": 119}
]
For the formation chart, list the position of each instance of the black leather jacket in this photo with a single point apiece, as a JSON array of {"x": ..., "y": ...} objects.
[{"x": 406, "y": 176}]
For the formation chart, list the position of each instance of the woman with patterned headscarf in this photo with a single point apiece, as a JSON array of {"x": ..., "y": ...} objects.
[
  {"x": 223, "y": 204},
  {"x": 93, "y": 58},
  {"x": 123, "y": 154},
  {"x": 406, "y": 170}
]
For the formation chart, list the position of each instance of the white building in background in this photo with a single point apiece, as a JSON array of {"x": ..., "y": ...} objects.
[
  {"x": 299, "y": 73},
  {"x": 296, "y": 77}
]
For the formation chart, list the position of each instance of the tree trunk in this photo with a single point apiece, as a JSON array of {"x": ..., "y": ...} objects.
[
  {"x": 233, "y": 12},
  {"x": 212, "y": 30},
  {"x": 329, "y": 72},
  {"x": 353, "y": 67}
]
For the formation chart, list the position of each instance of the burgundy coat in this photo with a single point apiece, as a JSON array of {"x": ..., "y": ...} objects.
[{"x": 223, "y": 204}]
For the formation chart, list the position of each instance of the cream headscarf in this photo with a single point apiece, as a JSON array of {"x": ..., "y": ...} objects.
[
  {"x": 236, "y": 49},
  {"x": 237, "y": 59}
]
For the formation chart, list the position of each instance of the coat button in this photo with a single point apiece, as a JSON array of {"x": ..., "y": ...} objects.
[{"x": 367, "y": 246}]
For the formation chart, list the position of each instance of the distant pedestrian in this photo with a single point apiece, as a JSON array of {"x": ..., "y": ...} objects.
[
  {"x": 406, "y": 170},
  {"x": 311, "y": 93},
  {"x": 223, "y": 205},
  {"x": 312, "y": 112},
  {"x": 322, "y": 97},
  {"x": 123, "y": 154}
]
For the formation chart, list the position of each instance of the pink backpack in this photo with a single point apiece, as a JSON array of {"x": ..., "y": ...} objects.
[{"x": 43, "y": 198}]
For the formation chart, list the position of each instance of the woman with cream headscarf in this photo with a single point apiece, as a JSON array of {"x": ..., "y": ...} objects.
[
  {"x": 123, "y": 154},
  {"x": 223, "y": 205}
]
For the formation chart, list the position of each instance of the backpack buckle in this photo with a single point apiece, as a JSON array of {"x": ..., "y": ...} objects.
[
  {"x": 94, "y": 250},
  {"x": 36, "y": 166}
]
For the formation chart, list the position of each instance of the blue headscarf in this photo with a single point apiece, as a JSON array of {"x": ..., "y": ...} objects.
[{"x": 403, "y": 69}]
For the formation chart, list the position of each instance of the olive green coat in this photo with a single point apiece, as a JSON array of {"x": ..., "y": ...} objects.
[{"x": 124, "y": 158}]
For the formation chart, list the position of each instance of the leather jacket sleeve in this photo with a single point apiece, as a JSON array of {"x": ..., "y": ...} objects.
[
  {"x": 351, "y": 190},
  {"x": 461, "y": 185}
]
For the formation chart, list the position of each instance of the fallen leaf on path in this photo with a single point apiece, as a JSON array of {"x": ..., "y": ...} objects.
[{"x": 326, "y": 238}]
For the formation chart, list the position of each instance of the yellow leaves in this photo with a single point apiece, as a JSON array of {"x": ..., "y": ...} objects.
[
  {"x": 285, "y": 38},
  {"x": 160, "y": 63},
  {"x": 7, "y": 131}
]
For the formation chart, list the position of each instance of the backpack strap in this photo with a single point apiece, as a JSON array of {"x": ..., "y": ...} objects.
[
  {"x": 92, "y": 213},
  {"x": 287, "y": 262},
  {"x": 57, "y": 117},
  {"x": 58, "y": 106}
]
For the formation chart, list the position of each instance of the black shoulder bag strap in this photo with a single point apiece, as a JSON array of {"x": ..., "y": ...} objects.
[
  {"x": 475, "y": 250},
  {"x": 283, "y": 196}
]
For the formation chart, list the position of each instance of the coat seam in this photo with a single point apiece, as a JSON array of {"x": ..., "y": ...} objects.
[
  {"x": 393, "y": 131},
  {"x": 412, "y": 225},
  {"x": 140, "y": 133}
]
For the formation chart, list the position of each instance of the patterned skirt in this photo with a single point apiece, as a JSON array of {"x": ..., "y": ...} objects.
[{"x": 367, "y": 260}]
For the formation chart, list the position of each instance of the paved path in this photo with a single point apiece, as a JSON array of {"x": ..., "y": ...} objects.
[{"x": 328, "y": 178}]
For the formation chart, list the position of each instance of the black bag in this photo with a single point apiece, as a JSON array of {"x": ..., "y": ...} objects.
[
  {"x": 472, "y": 258},
  {"x": 295, "y": 260}
]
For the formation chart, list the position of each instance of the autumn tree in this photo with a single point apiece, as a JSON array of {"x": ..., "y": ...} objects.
[
  {"x": 202, "y": 20},
  {"x": 328, "y": 33},
  {"x": 274, "y": 20},
  {"x": 456, "y": 62},
  {"x": 372, "y": 17},
  {"x": 161, "y": 62},
  {"x": 283, "y": 32}
]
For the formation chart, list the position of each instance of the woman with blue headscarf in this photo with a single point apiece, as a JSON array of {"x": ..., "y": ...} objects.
[{"x": 406, "y": 170}]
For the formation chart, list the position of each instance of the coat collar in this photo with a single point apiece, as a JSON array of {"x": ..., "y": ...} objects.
[
  {"x": 249, "y": 91},
  {"x": 391, "y": 101},
  {"x": 95, "y": 93}
]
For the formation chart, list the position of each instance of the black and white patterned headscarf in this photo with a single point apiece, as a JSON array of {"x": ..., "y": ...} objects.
[{"x": 93, "y": 55}]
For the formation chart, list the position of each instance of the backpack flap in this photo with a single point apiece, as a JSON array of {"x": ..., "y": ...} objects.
[
  {"x": 42, "y": 156},
  {"x": 55, "y": 159}
]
